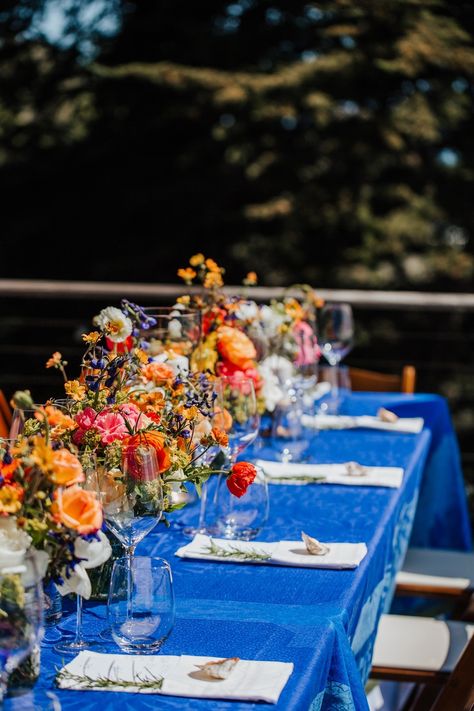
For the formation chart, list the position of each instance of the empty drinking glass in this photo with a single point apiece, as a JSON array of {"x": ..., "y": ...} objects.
[
  {"x": 289, "y": 437},
  {"x": 242, "y": 518},
  {"x": 336, "y": 340},
  {"x": 140, "y": 608}
]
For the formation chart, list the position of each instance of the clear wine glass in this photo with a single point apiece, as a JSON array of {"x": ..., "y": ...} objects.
[
  {"x": 131, "y": 492},
  {"x": 21, "y": 623},
  {"x": 336, "y": 339},
  {"x": 79, "y": 642},
  {"x": 177, "y": 329},
  {"x": 234, "y": 517},
  {"x": 239, "y": 417},
  {"x": 206, "y": 456}
]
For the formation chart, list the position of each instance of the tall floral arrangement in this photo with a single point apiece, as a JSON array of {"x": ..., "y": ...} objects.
[
  {"x": 125, "y": 397},
  {"x": 232, "y": 338},
  {"x": 44, "y": 508}
]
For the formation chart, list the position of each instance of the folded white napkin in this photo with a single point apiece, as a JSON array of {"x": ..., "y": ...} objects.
[
  {"x": 408, "y": 425},
  {"x": 248, "y": 681},
  {"x": 287, "y": 553},
  {"x": 293, "y": 473}
]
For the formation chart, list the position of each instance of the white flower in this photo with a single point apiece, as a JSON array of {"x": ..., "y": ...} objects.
[
  {"x": 247, "y": 311},
  {"x": 92, "y": 554},
  {"x": 114, "y": 323},
  {"x": 179, "y": 364},
  {"x": 271, "y": 391},
  {"x": 271, "y": 320},
  {"x": 280, "y": 366},
  {"x": 13, "y": 544},
  {"x": 175, "y": 328},
  {"x": 202, "y": 429}
]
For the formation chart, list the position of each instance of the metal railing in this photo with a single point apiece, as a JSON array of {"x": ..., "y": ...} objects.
[{"x": 361, "y": 298}]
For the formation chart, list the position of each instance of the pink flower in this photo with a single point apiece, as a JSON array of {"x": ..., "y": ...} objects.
[
  {"x": 309, "y": 351},
  {"x": 238, "y": 375},
  {"x": 111, "y": 426},
  {"x": 85, "y": 420},
  {"x": 134, "y": 417}
]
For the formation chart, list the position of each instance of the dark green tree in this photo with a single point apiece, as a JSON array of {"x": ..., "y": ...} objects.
[{"x": 327, "y": 142}]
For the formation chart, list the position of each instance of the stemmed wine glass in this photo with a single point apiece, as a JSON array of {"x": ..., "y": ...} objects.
[
  {"x": 79, "y": 642},
  {"x": 206, "y": 456},
  {"x": 240, "y": 517},
  {"x": 336, "y": 340},
  {"x": 176, "y": 329},
  {"x": 21, "y": 602},
  {"x": 131, "y": 492}
]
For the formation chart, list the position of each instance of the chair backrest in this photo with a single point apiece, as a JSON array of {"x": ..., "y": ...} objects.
[
  {"x": 458, "y": 692},
  {"x": 381, "y": 382},
  {"x": 5, "y": 409}
]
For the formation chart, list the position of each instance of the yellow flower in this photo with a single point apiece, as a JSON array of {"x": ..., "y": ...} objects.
[
  {"x": 190, "y": 413},
  {"x": 11, "y": 496},
  {"x": 196, "y": 260},
  {"x": 187, "y": 274},
  {"x": 185, "y": 300},
  {"x": 251, "y": 279},
  {"x": 75, "y": 390},
  {"x": 213, "y": 279},
  {"x": 55, "y": 360},
  {"x": 205, "y": 356},
  {"x": 141, "y": 355},
  {"x": 294, "y": 310},
  {"x": 42, "y": 455},
  {"x": 91, "y": 337},
  {"x": 213, "y": 266}
]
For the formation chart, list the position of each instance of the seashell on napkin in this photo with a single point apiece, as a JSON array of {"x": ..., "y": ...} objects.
[
  {"x": 355, "y": 469},
  {"x": 220, "y": 669},
  {"x": 313, "y": 546},
  {"x": 386, "y": 415}
]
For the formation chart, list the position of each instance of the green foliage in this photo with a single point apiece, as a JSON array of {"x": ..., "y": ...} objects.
[{"x": 324, "y": 142}]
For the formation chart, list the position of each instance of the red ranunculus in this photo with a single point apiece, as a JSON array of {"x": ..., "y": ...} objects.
[
  {"x": 121, "y": 347},
  {"x": 243, "y": 474}
]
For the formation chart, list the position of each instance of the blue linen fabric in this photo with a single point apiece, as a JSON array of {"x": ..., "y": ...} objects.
[{"x": 324, "y": 621}]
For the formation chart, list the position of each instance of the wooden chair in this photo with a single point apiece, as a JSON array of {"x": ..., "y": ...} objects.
[
  {"x": 438, "y": 655},
  {"x": 5, "y": 409},
  {"x": 437, "y": 573},
  {"x": 381, "y": 382}
]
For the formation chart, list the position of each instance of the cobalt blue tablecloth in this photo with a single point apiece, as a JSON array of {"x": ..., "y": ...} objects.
[{"x": 323, "y": 620}]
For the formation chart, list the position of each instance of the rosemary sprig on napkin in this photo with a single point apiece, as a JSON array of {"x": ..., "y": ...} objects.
[
  {"x": 233, "y": 551},
  {"x": 103, "y": 682}
]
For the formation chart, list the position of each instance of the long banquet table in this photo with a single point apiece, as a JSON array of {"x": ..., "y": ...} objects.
[{"x": 324, "y": 621}]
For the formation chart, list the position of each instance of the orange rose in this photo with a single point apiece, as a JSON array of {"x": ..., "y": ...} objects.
[
  {"x": 222, "y": 419},
  {"x": 78, "y": 509},
  {"x": 156, "y": 440},
  {"x": 157, "y": 372},
  {"x": 235, "y": 346},
  {"x": 65, "y": 469}
]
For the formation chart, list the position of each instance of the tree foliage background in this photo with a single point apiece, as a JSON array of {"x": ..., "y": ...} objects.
[{"x": 328, "y": 142}]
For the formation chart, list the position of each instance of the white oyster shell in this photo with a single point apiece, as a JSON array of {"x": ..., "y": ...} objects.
[
  {"x": 386, "y": 415},
  {"x": 220, "y": 669},
  {"x": 313, "y": 546}
]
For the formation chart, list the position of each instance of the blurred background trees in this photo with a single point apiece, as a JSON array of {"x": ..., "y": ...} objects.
[{"x": 328, "y": 142}]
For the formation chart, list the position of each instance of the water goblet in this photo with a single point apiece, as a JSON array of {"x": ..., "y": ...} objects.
[
  {"x": 140, "y": 608},
  {"x": 21, "y": 601},
  {"x": 242, "y": 518},
  {"x": 336, "y": 340},
  {"x": 131, "y": 491}
]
